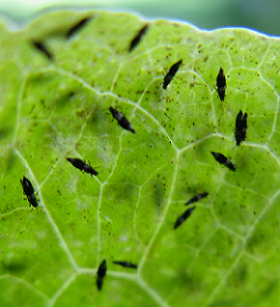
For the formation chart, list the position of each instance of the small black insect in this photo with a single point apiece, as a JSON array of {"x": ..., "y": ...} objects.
[
  {"x": 81, "y": 165},
  {"x": 172, "y": 71},
  {"x": 122, "y": 120},
  {"x": 223, "y": 160},
  {"x": 101, "y": 273},
  {"x": 28, "y": 190},
  {"x": 137, "y": 38},
  {"x": 126, "y": 264},
  {"x": 183, "y": 217},
  {"x": 77, "y": 27},
  {"x": 196, "y": 198},
  {"x": 42, "y": 48},
  {"x": 240, "y": 128},
  {"x": 221, "y": 84}
]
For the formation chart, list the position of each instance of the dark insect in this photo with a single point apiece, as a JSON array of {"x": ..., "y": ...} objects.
[
  {"x": 122, "y": 120},
  {"x": 221, "y": 84},
  {"x": 223, "y": 160},
  {"x": 196, "y": 198},
  {"x": 137, "y": 38},
  {"x": 42, "y": 48},
  {"x": 28, "y": 190},
  {"x": 240, "y": 128},
  {"x": 126, "y": 264},
  {"x": 81, "y": 165},
  {"x": 101, "y": 273},
  {"x": 77, "y": 27},
  {"x": 172, "y": 71},
  {"x": 183, "y": 217}
]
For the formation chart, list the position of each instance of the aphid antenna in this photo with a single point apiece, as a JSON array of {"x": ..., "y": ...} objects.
[{"x": 88, "y": 163}]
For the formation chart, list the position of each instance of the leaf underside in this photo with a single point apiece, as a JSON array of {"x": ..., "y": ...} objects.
[{"x": 226, "y": 253}]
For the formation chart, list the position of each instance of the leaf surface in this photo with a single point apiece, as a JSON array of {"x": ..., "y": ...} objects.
[{"x": 226, "y": 253}]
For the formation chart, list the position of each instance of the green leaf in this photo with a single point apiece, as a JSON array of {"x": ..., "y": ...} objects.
[{"x": 226, "y": 253}]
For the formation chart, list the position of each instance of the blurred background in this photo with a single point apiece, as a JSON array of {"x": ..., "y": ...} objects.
[{"x": 260, "y": 15}]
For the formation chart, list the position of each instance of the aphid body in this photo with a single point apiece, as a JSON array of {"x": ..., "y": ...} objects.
[
  {"x": 126, "y": 264},
  {"x": 122, "y": 120},
  {"x": 183, "y": 217},
  {"x": 136, "y": 40},
  {"x": 77, "y": 27},
  {"x": 42, "y": 48},
  {"x": 221, "y": 84},
  {"x": 172, "y": 71},
  {"x": 240, "y": 128},
  {"x": 196, "y": 198},
  {"x": 81, "y": 165},
  {"x": 28, "y": 190},
  {"x": 101, "y": 273},
  {"x": 223, "y": 160}
]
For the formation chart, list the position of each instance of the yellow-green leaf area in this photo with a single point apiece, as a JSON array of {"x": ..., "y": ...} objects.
[{"x": 55, "y": 104}]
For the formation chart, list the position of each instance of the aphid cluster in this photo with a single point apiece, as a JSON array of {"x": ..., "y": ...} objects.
[
  {"x": 221, "y": 85},
  {"x": 29, "y": 191},
  {"x": 181, "y": 219}
]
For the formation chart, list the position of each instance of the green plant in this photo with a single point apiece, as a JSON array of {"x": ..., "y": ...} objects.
[{"x": 226, "y": 253}]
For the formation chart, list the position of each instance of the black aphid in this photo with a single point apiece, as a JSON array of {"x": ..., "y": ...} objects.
[
  {"x": 172, "y": 71},
  {"x": 126, "y": 264},
  {"x": 196, "y": 198},
  {"x": 101, "y": 273},
  {"x": 240, "y": 128},
  {"x": 81, "y": 165},
  {"x": 223, "y": 160},
  {"x": 221, "y": 84},
  {"x": 42, "y": 48},
  {"x": 28, "y": 190},
  {"x": 77, "y": 27},
  {"x": 183, "y": 217},
  {"x": 137, "y": 38},
  {"x": 122, "y": 120}
]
